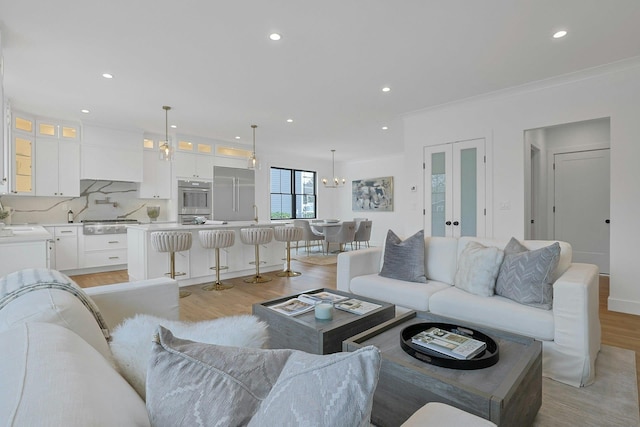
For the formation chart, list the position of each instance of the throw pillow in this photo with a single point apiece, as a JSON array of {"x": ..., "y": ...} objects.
[
  {"x": 526, "y": 276},
  {"x": 131, "y": 349},
  {"x": 478, "y": 267},
  {"x": 190, "y": 383},
  {"x": 404, "y": 260}
]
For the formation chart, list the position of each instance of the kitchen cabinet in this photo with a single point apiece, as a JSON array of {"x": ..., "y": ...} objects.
[
  {"x": 111, "y": 154},
  {"x": 146, "y": 263},
  {"x": 156, "y": 177},
  {"x": 57, "y": 171},
  {"x": 64, "y": 251},
  {"x": 104, "y": 250},
  {"x": 190, "y": 165},
  {"x": 27, "y": 248},
  {"x": 22, "y": 149},
  {"x": 455, "y": 189}
]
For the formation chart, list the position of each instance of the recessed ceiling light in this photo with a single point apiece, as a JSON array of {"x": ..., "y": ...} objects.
[
  {"x": 85, "y": 111},
  {"x": 173, "y": 126},
  {"x": 107, "y": 75},
  {"x": 289, "y": 120},
  {"x": 275, "y": 36},
  {"x": 559, "y": 34},
  {"x": 385, "y": 127},
  {"x": 386, "y": 89}
]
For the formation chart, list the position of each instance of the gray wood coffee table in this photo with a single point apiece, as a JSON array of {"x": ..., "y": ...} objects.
[
  {"x": 508, "y": 393},
  {"x": 304, "y": 332}
]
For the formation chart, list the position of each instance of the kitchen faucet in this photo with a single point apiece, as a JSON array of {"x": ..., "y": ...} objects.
[{"x": 255, "y": 213}]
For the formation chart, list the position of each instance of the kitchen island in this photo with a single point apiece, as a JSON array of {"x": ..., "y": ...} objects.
[
  {"x": 145, "y": 263},
  {"x": 23, "y": 246}
]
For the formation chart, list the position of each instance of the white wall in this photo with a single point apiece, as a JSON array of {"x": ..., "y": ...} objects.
[{"x": 612, "y": 91}]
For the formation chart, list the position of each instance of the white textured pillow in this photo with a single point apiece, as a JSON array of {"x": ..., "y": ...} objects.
[
  {"x": 52, "y": 377},
  {"x": 131, "y": 340},
  {"x": 192, "y": 383},
  {"x": 478, "y": 268}
]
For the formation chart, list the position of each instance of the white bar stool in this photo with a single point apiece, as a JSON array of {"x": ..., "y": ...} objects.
[
  {"x": 256, "y": 236},
  {"x": 172, "y": 242},
  {"x": 288, "y": 234},
  {"x": 216, "y": 239}
]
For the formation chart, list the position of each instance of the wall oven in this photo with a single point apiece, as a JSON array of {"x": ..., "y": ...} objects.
[{"x": 194, "y": 199}]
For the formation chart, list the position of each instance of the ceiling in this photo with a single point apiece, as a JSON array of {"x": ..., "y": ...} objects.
[{"x": 214, "y": 64}]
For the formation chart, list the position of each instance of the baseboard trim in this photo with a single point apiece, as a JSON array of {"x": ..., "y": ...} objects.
[{"x": 623, "y": 306}]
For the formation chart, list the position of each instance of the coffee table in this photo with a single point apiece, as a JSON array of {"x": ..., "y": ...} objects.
[
  {"x": 304, "y": 332},
  {"x": 508, "y": 393}
]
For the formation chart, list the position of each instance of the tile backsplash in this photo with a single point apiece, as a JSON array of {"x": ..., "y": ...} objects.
[{"x": 97, "y": 200}]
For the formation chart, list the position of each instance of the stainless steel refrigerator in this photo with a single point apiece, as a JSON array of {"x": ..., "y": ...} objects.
[{"x": 233, "y": 194}]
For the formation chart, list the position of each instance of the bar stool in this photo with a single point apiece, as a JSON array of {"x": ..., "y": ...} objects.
[
  {"x": 256, "y": 236},
  {"x": 172, "y": 242},
  {"x": 216, "y": 239},
  {"x": 288, "y": 234}
]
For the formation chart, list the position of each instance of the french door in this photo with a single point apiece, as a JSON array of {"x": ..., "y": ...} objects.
[{"x": 454, "y": 183}]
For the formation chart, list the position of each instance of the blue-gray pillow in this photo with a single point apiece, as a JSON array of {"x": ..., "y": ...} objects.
[
  {"x": 404, "y": 260},
  {"x": 526, "y": 276}
]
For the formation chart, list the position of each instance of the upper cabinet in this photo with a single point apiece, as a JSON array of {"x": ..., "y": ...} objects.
[
  {"x": 23, "y": 150},
  {"x": 156, "y": 173},
  {"x": 194, "y": 158},
  {"x": 111, "y": 154},
  {"x": 46, "y": 128}
]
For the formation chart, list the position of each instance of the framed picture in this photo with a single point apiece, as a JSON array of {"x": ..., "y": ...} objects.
[{"x": 372, "y": 194}]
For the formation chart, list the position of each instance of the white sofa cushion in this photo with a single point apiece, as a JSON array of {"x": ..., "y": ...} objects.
[
  {"x": 192, "y": 383},
  {"x": 406, "y": 294},
  {"x": 494, "y": 312},
  {"x": 441, "y": 255},
  {"x": 131, "y": 340},
  {"x": 52, "y": 377}
]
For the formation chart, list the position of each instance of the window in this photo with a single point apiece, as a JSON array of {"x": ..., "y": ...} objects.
[{"x": 293, "y": 194}]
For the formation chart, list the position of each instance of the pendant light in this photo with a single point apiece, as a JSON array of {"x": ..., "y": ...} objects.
[
  {"x": 252, "y": 161},
  {"x": 335, "y": 181},
  {"x": 166, "y": 151}
]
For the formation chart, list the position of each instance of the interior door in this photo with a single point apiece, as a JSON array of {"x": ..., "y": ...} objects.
[
  {"x": 455, "y": 189},
  {"x": 581, "y": 203}
]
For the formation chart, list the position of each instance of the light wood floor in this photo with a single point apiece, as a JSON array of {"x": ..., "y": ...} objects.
[{"x": 618, "y": 329}]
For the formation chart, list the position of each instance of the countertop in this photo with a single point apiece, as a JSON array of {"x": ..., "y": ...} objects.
[
  {"x": 25, "y": 233},
  {"x": 175, "y": 226}
]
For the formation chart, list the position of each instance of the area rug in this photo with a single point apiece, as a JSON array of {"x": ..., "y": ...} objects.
[
  {"x": 612, "y": 400},
  {"x": 319, "y": 259}
]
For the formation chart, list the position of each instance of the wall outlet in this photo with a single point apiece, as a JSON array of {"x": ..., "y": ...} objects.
[{"x": 505, "y": 205}]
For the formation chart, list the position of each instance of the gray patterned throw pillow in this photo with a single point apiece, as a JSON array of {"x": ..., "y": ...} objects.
[
  {"x": 190, "y": 383},
  {"x": 526, "y": 276},
  {"x": 404, "y": 260}
]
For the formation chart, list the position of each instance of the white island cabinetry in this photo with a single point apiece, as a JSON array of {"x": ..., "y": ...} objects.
[
  {"x": 28, "y": 247},
  {"x": 145, "y": 263}
]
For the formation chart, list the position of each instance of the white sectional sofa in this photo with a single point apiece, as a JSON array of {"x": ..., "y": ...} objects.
[
  {"x": 569, "y": 331},
  {"x": 57, "y": 369}
]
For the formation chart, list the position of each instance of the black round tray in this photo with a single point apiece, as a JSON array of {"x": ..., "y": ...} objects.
[{"x": 488, "y": 357}]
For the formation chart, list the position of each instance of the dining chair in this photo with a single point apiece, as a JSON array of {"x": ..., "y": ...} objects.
[
  {"x": 308, "y": 235},
  {"x": 345, "y": 234},
  {"x": 363, "y": 234}
]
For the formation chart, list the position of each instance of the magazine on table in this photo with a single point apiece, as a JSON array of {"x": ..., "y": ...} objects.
[
  {"x": 304, "y": 303},
  {"x": 357, "y": 306},
  {"x": 449, "y": 343}
]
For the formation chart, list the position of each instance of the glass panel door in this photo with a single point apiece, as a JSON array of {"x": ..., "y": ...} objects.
[{"x": 438, "y": 194}]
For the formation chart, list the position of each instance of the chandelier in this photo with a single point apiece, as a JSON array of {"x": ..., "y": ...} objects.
[
  {"x": 166, "y": 151},
  {"x": 335, "y": 181}
]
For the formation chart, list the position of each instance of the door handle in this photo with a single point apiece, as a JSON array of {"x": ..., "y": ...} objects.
[
  {"x": 448, "y": 223},
  {"x": 607, "y": 221},
  {"x": 456, "y": 223}
]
